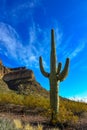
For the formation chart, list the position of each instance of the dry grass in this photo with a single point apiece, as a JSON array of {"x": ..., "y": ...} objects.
[{"x": 70, "y": 111}]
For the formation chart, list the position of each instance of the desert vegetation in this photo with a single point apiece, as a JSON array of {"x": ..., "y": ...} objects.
[{"x": 70, "y": 111}]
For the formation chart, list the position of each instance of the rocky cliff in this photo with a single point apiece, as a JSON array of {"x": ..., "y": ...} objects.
[
  {"x": 3, "y": 70},
  {"x": 21, "y": 80},
  {"x": 8, "y": 74},
  {"x": 19, "y": 74}
]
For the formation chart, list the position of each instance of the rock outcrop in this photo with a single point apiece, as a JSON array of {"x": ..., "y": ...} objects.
[
  {"x": 17, "y": 78},
  {"x": 19, "y": 74},
  {"x": 21, "y": 80},
  {"x": 8, "y": 74},
  {"x": 3, "y": 70}
]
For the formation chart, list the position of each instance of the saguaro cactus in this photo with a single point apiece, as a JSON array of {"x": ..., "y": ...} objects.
[{"x": 55, "y": 76}]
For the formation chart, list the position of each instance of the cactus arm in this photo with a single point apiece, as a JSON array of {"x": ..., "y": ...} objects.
[
  {"x": 59, "y": 68},
  {"x": 42, "y": 68},
  {"x": 64, "y": 73}
]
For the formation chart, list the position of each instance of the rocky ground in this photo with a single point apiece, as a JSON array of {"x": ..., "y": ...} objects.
[{"x": 33, "y": 117}]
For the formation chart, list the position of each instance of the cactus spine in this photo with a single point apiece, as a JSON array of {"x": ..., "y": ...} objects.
[{"x": 55, "y": 76}]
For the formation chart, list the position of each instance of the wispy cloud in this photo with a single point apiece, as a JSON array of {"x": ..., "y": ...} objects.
[
  {"x": 58, "y": 36},
  {"x": 81, "y": 96},
  {"x": 11, "y": 45},
  {"x": 78, "y": 49},
  {"x": 24, "y": 9},
  {"x": 19, "y": 11},
  {"x": 8, "y": 38},
  {"x": 79, "y": 99},
  {"x": 39, "y": 40},
  {"x": 38, "y": 45},
  {"x": 26, "y": 54}
]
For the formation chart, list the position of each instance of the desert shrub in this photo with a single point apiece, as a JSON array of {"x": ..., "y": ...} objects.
[
  {"x": 31, "y": 101},
  {"x": 77, "y": 108},
  {"x": 66, "y": 116},
  {"x": 6, "y": 124},
  {"x": 11, "y": 98}
]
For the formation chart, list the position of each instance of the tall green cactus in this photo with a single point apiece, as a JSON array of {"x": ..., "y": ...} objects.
[{"x": 55, "y": 76}]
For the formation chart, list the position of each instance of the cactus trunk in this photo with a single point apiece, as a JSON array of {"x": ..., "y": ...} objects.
[
  {"x": 53, "y": 79},
  {"x": 55, "y": 76},
  {"x": 54, "y": 98}
]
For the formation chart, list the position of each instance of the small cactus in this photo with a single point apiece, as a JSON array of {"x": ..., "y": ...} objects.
[{"x": 55, "y": 76}]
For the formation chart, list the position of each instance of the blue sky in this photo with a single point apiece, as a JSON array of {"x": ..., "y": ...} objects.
[{"x": 25, "y": 27}]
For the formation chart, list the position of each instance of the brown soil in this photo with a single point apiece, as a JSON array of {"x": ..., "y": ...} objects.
[{"x": 33, "y": 116}]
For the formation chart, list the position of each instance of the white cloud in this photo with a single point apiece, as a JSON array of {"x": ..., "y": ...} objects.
[
  {"x": 79, "y": 99},
  {"x": 20, "y": 11},
  {"x": 12, "y": 47},
  {"x": 38, "y": 45},
  {"x": 79, "y": 48},
  {"x": 8, "y": 38},
  {"x": 58, "y": 36},
  {"x": 27, "y": 7},
  {"x": 32, "y": 34}
]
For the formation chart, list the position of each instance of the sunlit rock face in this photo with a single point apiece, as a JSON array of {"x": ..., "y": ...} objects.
[
  {"x": 19, "y": 73},
  {"x": 3, "y": 70},
  {"x": 17, "y": 78},
  {"x": 21, "y": 80}
]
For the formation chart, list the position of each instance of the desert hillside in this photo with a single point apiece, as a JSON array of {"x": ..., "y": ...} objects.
[
  {"x": 34, "y": 108},
  {"x": 23, "y": 98}
]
